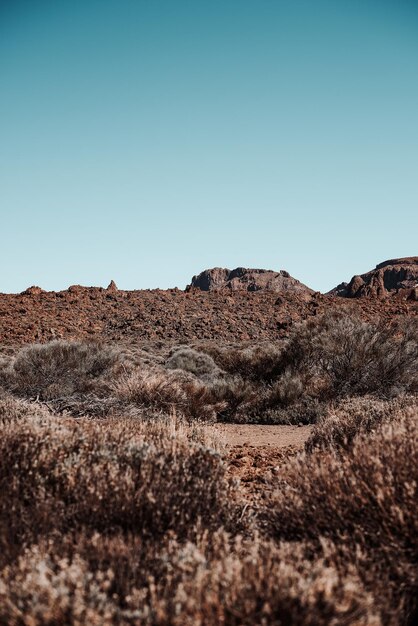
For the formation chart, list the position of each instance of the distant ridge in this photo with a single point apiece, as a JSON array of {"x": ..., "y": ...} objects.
[
  {"x": 246, "y": 279},
  {"x": 392, "y": 277}
]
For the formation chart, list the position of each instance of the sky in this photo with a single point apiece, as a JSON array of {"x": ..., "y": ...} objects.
[{"x": 144, "y": 141}]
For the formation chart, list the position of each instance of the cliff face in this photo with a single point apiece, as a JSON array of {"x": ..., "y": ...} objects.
[
  {"x": 244, "y": 279},
  {"x": 396, "y": 276}
]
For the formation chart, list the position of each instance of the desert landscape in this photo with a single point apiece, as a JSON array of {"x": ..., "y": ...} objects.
[
  {"x": 244, "y": 451},
  {"x": 208, "y": 313}
]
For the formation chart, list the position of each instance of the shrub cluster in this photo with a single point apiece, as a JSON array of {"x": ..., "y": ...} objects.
[
  {"x": 363, "y": 500},
  {"x": 122, "y": 581},
  {"x": 326, "y": 358},
  {"x": 133, "y": 522},
  {"x": 342, "y": 421},
  {"x": 60, "y": 475},
  {"x": 121, "y": 522}
]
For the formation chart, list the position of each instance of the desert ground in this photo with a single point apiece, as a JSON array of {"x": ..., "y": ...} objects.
[{"x": 209, "y": 457}]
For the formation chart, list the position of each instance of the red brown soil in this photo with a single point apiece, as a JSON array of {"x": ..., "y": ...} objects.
[
  {"x": 173, "y": 315},
  {"x": 257, "y": 453},
  {"x": 256, "y": 435}
]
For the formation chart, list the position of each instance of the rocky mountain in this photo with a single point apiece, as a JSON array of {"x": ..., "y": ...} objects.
[
  {"x": 246, "y": 279},
  {"x": 393, "y": 277}
]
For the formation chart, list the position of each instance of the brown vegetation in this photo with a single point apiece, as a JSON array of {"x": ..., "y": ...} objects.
[
  {"x": 134, "y": 522},
  {"x": 132, "y": 513}
]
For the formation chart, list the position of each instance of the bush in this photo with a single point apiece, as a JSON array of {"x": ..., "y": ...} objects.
[
  {"x": 190, "y": 360},
  {"x": 58, "y": 476},
  {"x": 167, "y": 392},
  {"x": 13, "y": 409},
  {"x": 286, "y": 390},
  {"x": 222, "y": 581},
  {"x": 261, "y": 363},
  {"x": 233, "y": 395},
  {"x": 60, "y": 368},
  {"x": 339, "y": 354},
  {"x": 343, "y": 421},
  {"x": 363, "y": 500}
]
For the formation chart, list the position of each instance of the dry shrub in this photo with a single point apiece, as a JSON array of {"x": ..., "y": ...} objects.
[
  {"x": 60, "y": 368},
  {"x": 190, "y": 360},
  {"x": 287, "y": 390},
  {"x": 339, "y": 354},
  {"x": 122, "y": 522},
  {"x": 13, "y": 409},
  {"x": 235, "y": 396},
  {"x": 364, "y": 501},
  {"x": 304, "y": 411},
  {"x": 343, "y": 421},
  {"x": 281, "y": 403},
  {"x": 139, "y": 477},
  {"x": 122, "y": 580},
  {"x": 167, "y": 391},
  {"x": 260, "y": 363}
]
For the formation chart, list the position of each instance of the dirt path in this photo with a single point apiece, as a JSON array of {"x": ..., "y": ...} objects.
[
  {"x": 256, "y": 435},
  {"x": 257, "y": 453}
]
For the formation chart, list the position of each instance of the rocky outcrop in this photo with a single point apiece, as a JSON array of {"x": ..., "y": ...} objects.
[
  {"x": 33, "y": 291},
  {"x": 244, "y": 279},
  {"x": 112, "y": 286},
  {"x": 394, "y": 277}
]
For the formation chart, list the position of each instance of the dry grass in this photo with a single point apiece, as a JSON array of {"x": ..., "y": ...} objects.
[
  {"x": 168, "y": 391},
  {"x": 59, "y": 475},
  {"x": 363, "y": 500},
  {"x": 209, "y": 582},
  {"x": 344, "y": 420},
  {"x": 133, "y": 522}
]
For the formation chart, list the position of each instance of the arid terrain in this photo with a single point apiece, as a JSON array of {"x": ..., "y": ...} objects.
[{"x": 236, "y": 453}]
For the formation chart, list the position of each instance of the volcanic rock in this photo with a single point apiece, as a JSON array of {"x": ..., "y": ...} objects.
[
  {"x": 112, "y": 286},
  {"x": 32, "y": 291},
  {"x": 157, "y": 316},
  {"x": 396, "y": 276},
  {"x": 244, "y": 279}
]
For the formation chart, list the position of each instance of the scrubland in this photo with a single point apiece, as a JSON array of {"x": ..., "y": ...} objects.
[{"x": 118, "y": 505}]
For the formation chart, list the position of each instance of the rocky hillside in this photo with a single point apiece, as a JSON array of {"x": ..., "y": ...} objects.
[
  {"x": 159, "y": 316},
  {"x": 247, "y": 279},
  {"x": 396, "y": 277}
]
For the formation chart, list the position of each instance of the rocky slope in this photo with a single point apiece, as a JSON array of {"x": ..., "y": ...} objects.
[
  {"x": 246, "y": 279},
  {"x": 396, "y": 277},
  {"x": 173, "y": 315}
]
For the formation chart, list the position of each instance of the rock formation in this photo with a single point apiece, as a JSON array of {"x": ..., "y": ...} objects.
[
  {"x": 243, "y": 279},
  {"x": 33, "y": 291},
  {"x": 112, "y": 286},
  {"x": 396, "y": 276}
]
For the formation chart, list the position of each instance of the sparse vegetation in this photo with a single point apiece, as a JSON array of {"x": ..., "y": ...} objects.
[
  {"x": 131, "y": 515},
  {"x": 364, "y": 501},
  {"x": 343, "y": 421},
  {"x": 327, "y": 358}
]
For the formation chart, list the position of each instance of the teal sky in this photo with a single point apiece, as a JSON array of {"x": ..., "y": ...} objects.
[{"x": 143, "y": 141}]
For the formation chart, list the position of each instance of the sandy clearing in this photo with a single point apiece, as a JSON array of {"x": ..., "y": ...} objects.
[{"x": 263, "y": 435}]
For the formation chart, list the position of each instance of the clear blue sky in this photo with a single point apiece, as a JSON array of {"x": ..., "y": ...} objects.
[{"x": 147, "y": 140}]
